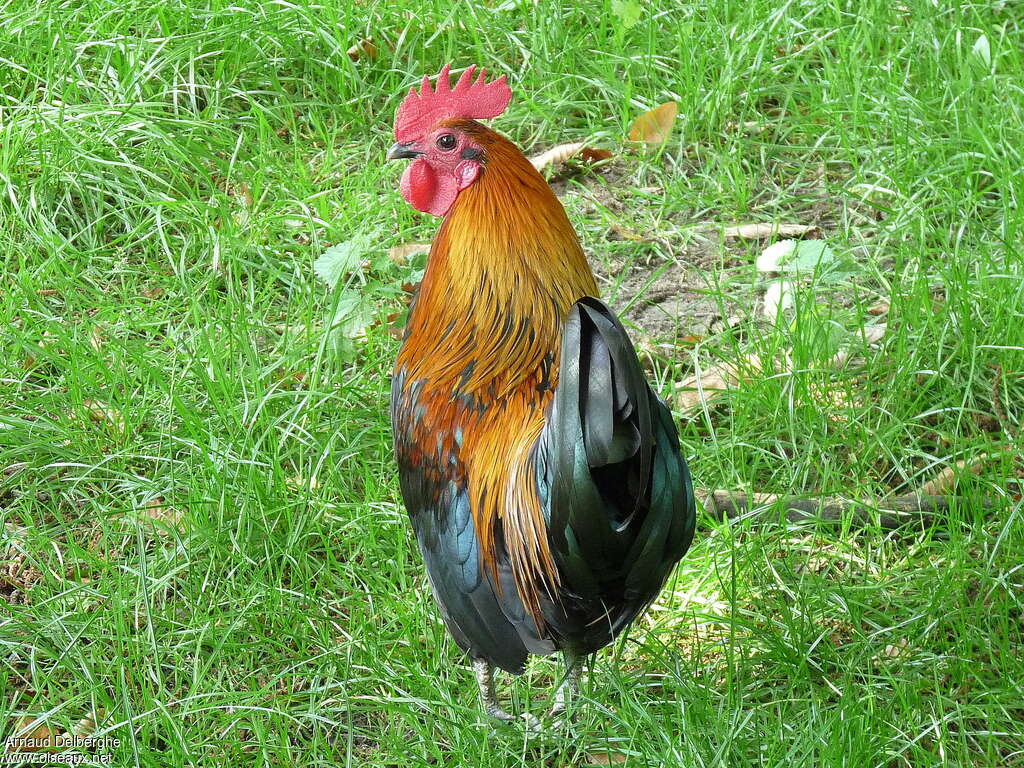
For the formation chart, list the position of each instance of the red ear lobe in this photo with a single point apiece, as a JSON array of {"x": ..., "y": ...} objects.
[{"x": 466, "y": 173}]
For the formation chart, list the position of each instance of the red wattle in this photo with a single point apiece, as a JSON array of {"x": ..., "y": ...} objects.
[{"x": 426, "y": 191}]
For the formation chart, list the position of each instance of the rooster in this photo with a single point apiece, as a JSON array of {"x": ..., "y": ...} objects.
[{"x": 541, "y": 474}]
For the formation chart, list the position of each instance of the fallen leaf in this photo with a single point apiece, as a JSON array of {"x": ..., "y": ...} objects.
[
  {"x": 655, "y": 126},
  {"x": 593, "y": 155},
  {"x": 625, "y": 233},
  {"x": 99, "y": 411},
  {"x": 285, "y": 328},
  {"x": 762, "y": 230},
  {"x": 157, "y": 510},
  {"x": 363, "y": 49},
  {"x": 946, "y": 479},
  {"x": 96, "y": 339},
  {"x": 557, "y": 154},
  {"x": 894, "y": 651},
  {"x": 396, "y": 322},
  {"x": 153, "y": 293},
  {"x": 709, "y": 383},
  {"x": 401, "y": 254},
  {"x": 605, "y": 758},
  {"x": 40, "y": 738},
  {"x": 46, "y": 292},
  {"x": 779, "y": 297},
  {"x": 308, "y": 484},
  {"x": 563, "y": 152},
  {"x": 872, "y": 334},
  {"x": 983, "y": 50},
  {"x": 795, "y": 256},
  {"x": 789, "y": 51},
  {"x": 290, "y": 379},
  {"x": 879, "y": 309},
  {"x": 750, "y": 126},
  {"x": 244, "y": 194},
  {"x": 86, "y": 726}
]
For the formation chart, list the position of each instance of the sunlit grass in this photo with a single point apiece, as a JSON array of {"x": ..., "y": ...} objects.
[{"x": 204, "y": 544}]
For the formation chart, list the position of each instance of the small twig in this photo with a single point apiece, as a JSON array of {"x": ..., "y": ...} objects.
[{"x": 890, "y": 513}]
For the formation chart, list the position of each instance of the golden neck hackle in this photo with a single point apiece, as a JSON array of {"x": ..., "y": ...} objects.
[{"x": 504, "y": 268}]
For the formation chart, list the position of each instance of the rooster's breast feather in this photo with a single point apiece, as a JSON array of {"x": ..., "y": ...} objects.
[{"x": 480, "y": 606}]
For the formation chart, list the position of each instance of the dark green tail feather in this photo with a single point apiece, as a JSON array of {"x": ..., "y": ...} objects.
[{"x": 621, "y": 510}]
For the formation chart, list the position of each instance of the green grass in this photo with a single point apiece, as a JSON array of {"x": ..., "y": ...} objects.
[{"x": 206, "y": 549}]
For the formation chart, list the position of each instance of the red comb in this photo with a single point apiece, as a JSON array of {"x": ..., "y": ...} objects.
[{"x": 475, "y": 100}]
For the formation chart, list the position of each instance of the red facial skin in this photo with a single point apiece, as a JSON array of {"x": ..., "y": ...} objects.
[{"x": 434, "y": 179}]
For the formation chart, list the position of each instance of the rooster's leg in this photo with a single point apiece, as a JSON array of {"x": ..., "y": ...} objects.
[
  {"x": 485, "y": 679},
  {"x": 570, "y": 687}
]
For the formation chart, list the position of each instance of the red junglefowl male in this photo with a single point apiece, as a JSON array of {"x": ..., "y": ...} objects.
[{"x": 541, "y": 473}]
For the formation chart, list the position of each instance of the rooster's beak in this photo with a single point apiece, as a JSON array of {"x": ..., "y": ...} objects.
[{"x": 402, "y": 151}]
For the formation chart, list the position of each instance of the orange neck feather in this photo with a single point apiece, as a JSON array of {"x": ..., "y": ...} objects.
[{"x": 507, "y": 265}]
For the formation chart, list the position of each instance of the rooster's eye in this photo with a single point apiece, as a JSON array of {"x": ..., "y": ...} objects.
[{"x": 446, "y": 141}]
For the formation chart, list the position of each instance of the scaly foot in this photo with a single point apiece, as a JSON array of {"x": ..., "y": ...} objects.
[{"x": 489, "y": 699}]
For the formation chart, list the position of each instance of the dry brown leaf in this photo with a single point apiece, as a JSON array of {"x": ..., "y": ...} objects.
[
  {"x": 156, "y": 509},
  {"x": 712, "y": 381},
  {"x": 153, "y": 293},
  {"x": 401, "y": 254},
  {"x": 99, "y": 411},
  {"x": 894, "y": 651},
  {"x": 96, "y": 339},
  {"x": 87, "y": 725},
  {"x": 39, "y": 738},
  {"x": 244, "y": 194},
  {"x": 879, "y": 309},
  {"x": 762, "y": 230},
  {"x": 946, "y": 479},
  {"x": 594, "y": 155},
  {"x": 290, "y": 380},
  {"x": 50, "y": 341},
  {"x": 47, "y": 292},
  {"x": 562, "y": 152},
  {"x": 395, "y": 331},
  {"x": 625, "y": 233},
  {"x": 654, "y": 127},
  {"x": 749, "y": 126},
  {"x": 605, "y": 758},
  {"x": 555, "y": 155},
  {"x": 363, "y": 49},
  {"x": 871, "y": 335},
  {"x": 298, "y": 481}
]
